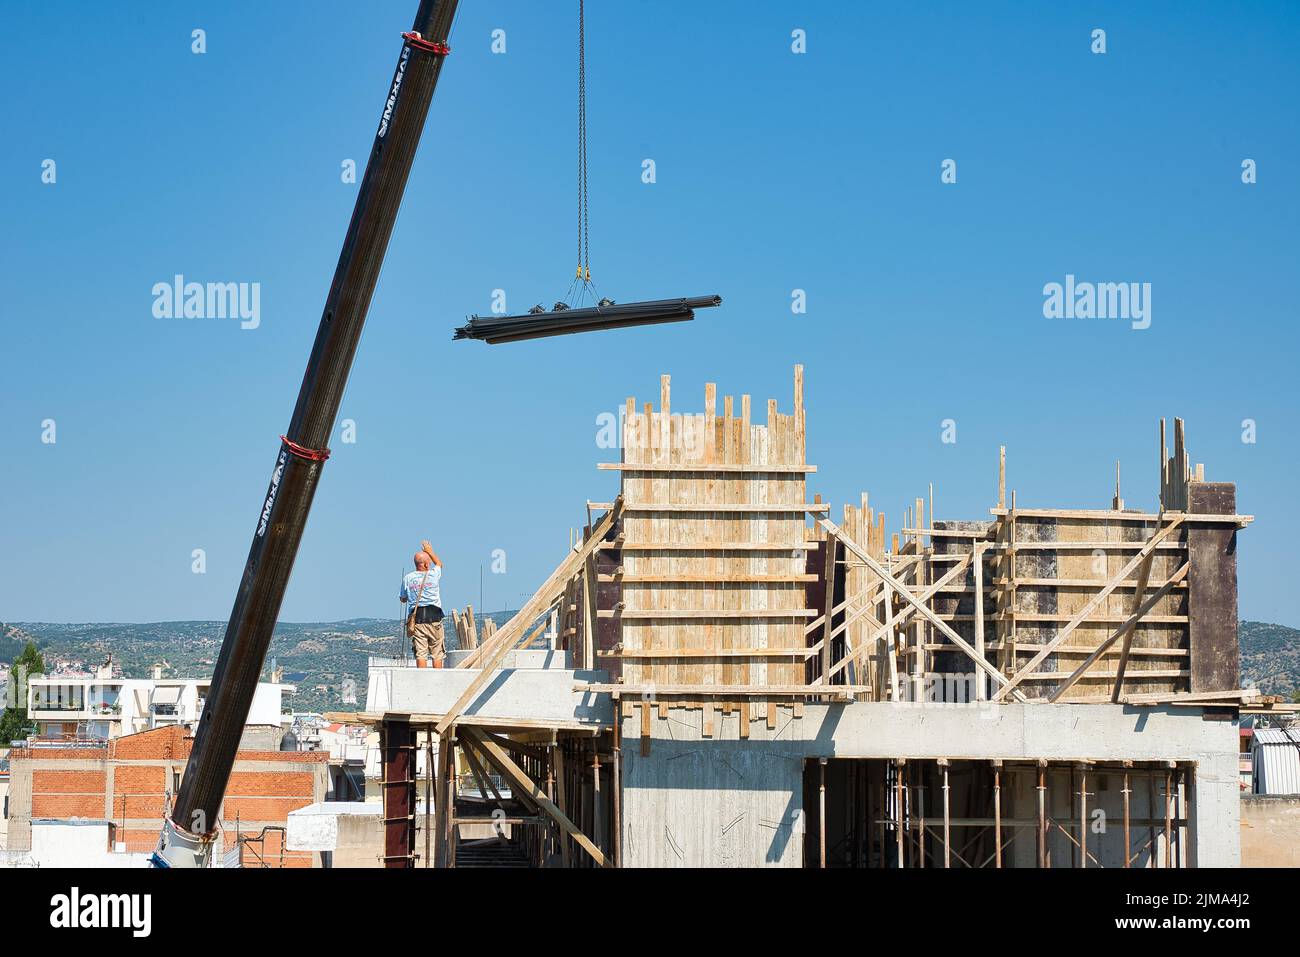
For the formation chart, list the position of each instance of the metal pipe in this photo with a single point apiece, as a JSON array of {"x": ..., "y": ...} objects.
[
  {"x": 499, "y": 329},
  {"x": 191, "y": 825}
]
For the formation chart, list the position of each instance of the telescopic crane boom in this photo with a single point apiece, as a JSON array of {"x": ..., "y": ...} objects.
[{"x": 189, "y": 831}]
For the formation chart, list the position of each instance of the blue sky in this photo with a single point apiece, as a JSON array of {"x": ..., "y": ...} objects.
[{"x": 775, "y": 171}]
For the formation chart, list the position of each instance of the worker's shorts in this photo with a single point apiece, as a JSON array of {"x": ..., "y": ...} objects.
[{"x": 428, "y": 641}]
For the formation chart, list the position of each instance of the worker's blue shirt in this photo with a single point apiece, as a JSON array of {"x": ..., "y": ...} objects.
[{"x": 429, "y": 595}]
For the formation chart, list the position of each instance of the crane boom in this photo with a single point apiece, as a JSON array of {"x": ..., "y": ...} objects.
[{"x": 189, "y": 831}]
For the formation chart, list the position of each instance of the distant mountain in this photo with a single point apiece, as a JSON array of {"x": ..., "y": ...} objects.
[
  {"x": 12, "y": 641},
  {"x": 1270, "y": 657},
  {"x": 326, "y": 653},
  {"x": 323, "y": 653}
]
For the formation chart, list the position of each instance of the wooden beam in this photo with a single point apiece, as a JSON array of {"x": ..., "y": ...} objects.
[
  {"x": 1089, "y": 608},
  {"x": 902, "y": 591},
  {"x": 1124, "y": 631},
  {"x": 484, "y": 779},
  {"x": 494, "y": 753},
  {"x": 880, "y": 629},
  {"x": 981, "y": 687}
]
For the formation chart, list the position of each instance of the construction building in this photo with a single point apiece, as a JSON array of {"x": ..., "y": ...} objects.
[
  {"x": 114, "y": 793},
  {"x": 740, "y": 675},
  {"x": 107, "y": 706}
]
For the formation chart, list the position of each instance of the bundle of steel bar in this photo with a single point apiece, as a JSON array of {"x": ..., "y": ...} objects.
[{"x": 494, "y": 329}]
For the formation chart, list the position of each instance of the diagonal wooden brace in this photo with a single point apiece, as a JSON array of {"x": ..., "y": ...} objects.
[
  {"x": 1124, "y": 631},
  {"x": 492, "y": 651},
  {"x": 1092, "y": 605},
  {"x": 497, "y": 756},
  {"x": 902, "y": 591}
]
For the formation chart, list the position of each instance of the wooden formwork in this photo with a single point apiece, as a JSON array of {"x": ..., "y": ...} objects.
[
  {"x": 1066, "y": 604},
  {"x": 703, "y": 586},
  {"x": 714, "y": 555}
]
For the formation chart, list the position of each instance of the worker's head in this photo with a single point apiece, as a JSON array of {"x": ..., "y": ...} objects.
[{"x": 421, "y": 561}]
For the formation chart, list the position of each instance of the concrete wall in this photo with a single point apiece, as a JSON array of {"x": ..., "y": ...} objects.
[
  {"x": 1270, "y": 830},
  {"x": 71, "y": 844},
  {"x": 343, "y": 834},
  {"x": 727, "y": 801}
]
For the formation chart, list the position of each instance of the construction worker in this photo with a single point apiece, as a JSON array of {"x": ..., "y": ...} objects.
[{"x": 420, "y": 589}]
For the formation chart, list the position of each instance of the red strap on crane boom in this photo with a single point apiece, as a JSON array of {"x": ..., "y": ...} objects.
[
  {"x": 311, "y": 455},
  {"x": 420, "y": 43}
]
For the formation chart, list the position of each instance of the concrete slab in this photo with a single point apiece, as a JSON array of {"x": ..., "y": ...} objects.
[
  {"x": 521, "y": 658},
  {"x": 724, "y": 800},
  {"x": 524, "y": 695}
]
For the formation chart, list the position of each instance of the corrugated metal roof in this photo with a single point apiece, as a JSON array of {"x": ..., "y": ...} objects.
[{"x": 1276, "y": 753}]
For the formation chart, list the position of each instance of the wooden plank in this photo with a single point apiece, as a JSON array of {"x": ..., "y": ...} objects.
[
  {"x": 707, "y": 467},
  {"x": 713, "y": 653},
  {"x": 1089, "y": 608},
  {"x": 719, "y": 690},
  {"x": 723, "y": 613},
  {"x": 729, "y": 546},
  {"x": 1111, "y": 515},
  {"x": 710, "y": 579},
  {"x": 902, "y": 591}
]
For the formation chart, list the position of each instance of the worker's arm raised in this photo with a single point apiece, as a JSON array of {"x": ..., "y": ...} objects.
[{"x": 428, "y": 550}]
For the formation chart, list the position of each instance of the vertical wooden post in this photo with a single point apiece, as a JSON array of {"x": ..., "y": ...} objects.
[
  {"x": 550, "y": 840},
  {"x": 828, "y": 576},
  {"x": 1083, "y": 816},
  {"x": 821, "y": 810},
  {"x": 997, "y": 814},
  {"x": 1042, "y": 813},
  {"x": 898, "y": 812},
  {"x": 1182, "y": 815},
  {"x": 616, "y": 784},
  {"x": 561, "y": 794},
  {"x": 1002, "y": 476},
  {"x": 450, "y": 817},
  {"x": 1153, "y": 847},
  {"x": 981, "y": 679},
  {"x": 597, "y": 812},
  {"x": 589, "y": 622},
  {"x": 428, "y": 795},
  {"x": 918, "y": 778},
  {"x": 918, "y": 662},
  {"x": 947, "y": 836},
  {"x": 440, "y": 807},
  {"x": 1169, "y": 810},
  {"x": 1128, "y": 853}
]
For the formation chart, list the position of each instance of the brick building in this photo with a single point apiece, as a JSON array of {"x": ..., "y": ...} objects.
[{"x": 126, "y": 781}]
